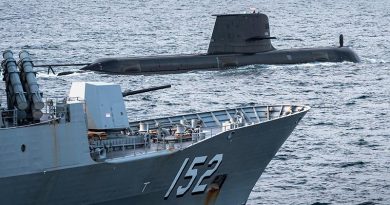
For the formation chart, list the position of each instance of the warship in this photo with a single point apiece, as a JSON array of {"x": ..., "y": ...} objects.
[
  {"x": 237, "y": 40},
  {"x": 83, "y": 149}
]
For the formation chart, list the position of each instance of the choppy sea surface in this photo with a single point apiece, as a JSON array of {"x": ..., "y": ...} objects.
[{"x": 338, "y": 154}]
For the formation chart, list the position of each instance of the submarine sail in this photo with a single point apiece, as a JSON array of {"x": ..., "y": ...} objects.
[
  {"x": 237, "y": 40},
  {"x": 240, "y": 33}
]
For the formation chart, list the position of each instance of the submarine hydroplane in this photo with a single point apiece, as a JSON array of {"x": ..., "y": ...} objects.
[{"x": 237, "y": 40}]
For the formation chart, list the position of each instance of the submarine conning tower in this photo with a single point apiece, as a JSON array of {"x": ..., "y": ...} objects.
[
  {"x": 237, "y": 40},
  {"x": 240, "y": 33}
]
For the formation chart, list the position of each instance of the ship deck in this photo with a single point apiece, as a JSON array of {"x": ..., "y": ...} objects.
[{"x": 161, "y": 134}]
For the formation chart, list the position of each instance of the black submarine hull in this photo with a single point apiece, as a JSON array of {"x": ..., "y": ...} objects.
[
  {"x": 185, "y": 63},
  {"x": 237, "y": 40}
]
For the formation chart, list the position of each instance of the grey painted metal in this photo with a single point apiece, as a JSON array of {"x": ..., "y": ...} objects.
[
  {"x": 50, "y": 144},
  {"x": 53, "y": 161},
  {"x": 13, "y": 82},
  {"x": 133, "y": 92},
  {"x": 31, "y": 84},
  {"x": 2, "y": 124},
  {"x": 63, "y": 173}
]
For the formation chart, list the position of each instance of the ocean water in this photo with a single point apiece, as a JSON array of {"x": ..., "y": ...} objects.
[{"x": 339, "y": 153}]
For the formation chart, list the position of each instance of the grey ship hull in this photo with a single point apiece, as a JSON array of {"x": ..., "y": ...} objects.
[{"x": 146, "y": 180}]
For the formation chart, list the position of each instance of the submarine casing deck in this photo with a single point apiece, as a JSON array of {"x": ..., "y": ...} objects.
[{"x": 185, "y": 63}]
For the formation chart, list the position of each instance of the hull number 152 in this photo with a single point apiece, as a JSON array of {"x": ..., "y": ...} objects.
[{"x": 192, "y": 173}]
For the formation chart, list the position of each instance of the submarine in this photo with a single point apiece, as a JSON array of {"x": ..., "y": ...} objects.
[{"x": 237, "y": 40}]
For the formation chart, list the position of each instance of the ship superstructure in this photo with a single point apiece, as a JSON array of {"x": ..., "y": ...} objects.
[{"x": 82, "y": 149}]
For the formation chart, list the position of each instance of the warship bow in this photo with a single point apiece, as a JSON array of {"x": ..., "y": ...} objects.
[{"x": 82, "y": 149}]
